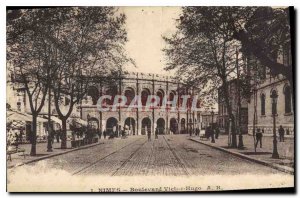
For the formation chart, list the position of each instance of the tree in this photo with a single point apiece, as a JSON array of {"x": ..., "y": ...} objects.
[
  {"x": 204, "y": 53},
  {"x": 264, "y": 32},
  {"x": 28, "y": 62},
  {"x": 63, "y": 49},
  {"x": 92, "y": 40}
]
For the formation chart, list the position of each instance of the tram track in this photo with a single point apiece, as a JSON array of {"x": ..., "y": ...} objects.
[
  {"x": 128, "y": 159},
  {"x": 106, "y": 156},
  {"x": 177, "y": 158}
]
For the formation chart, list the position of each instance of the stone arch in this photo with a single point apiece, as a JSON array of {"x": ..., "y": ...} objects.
[
  {"x": 173, "y": 125},
  {"x": 146, "y": 125},
  {"x": 287, "y": 98},
  {"x": 111, "y": 91},
  {"x": 93, "y": 123},
  {"x": 129, "y": 93},
  {"x": 182, "y": 125},
  {"x": 111, "y": 125},
  {"x": 130, "y": 122},
  {"x": 144, "y": 95},
  {"x": 161, "y": 125},
  {"x": 161, "y": 94},
  {"x": 274, "y": 106}
]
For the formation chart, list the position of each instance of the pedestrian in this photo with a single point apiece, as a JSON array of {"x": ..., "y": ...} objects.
[
  {"x": 198, "y": 131},
  {"x": 156, "y": 133},
  {"x": 217, "y": 132},
  {"x": 149, "y": 135},
  {"x": 58, "y": 135},
  {"x": 212, "y": 134},
  {"x": 206, "y": 133},
  {"x": 259, "y": 136},
  {"x": 100, "y": 134},
  {"x": 104, "y": 134},
  {"x": 281, "y": 133}
]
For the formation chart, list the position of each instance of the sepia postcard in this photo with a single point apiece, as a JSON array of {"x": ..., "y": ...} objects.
[{"x": 150, "y": 99}]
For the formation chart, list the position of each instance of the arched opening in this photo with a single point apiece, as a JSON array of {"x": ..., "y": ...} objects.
[
  {"x": 263, "y": 104},
  {"x": 287, "y": 99},
  {"x": 93, "y": 126},
  {"x": 144, "y": 96},
  {"x": 274, "y": 104},
  {"x": 113, "y": 91},
  {"x": 160, "y": 93},
  {"x": 94, "y": 93},
  {"x": 181, "y": 92},
  {"x": 129, "y": 94},
  {"x": 93, "y": 123},
  {"x": 182, "y": 125},
  {"x": 130, "y": 125},
  {"x": 161, "y": 126},
  {"x": 146, "y": 126},
  {"x": 111, "y": 125},
  {"x": 173, "y": 125}
]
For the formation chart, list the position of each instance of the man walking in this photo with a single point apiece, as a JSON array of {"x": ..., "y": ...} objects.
[
  {"x": 104, "y": 134},
  {"x": 258, "y": 138},
  {"x": 100, "y": 134},
  {"x": 217, "y": 132},
  {"x": 212, "y": 134},
  {"x": 149, "y": 135},
  {"x": 281, "y": 133}
]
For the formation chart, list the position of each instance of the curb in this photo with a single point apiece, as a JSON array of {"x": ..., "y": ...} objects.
[
  {"x": 53, "y": 155},
  {"x": 252, "y": 159}
]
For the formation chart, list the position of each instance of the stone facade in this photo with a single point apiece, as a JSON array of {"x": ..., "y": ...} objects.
[
  {"x": 285, "y": 113},
  {"x": 139, "y": 121}
]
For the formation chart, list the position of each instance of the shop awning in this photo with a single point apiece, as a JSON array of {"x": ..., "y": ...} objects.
[
  {"x": 78, "y": 121},
  {"x": 18, "y": 116},
  {"x": 54, "y": 119}
]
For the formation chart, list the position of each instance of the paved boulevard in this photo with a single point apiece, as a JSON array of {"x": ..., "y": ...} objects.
[{"x": 167, "y": 155}]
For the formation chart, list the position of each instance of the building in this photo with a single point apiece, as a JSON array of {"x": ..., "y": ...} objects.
[
  {"x": 223, "y": 118},
  {"x": 18, "y": 101},
  {"x": 260, "y": 104},
  {"x": 140, "y": 120},
  {"x": 207, "y": 117}
]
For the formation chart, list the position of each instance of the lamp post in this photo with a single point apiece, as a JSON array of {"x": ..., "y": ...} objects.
[
  {"x": 212, "y": 129},
  {"x": 274, "y": 97}
]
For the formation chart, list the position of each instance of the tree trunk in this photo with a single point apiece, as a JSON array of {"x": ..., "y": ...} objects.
[
  {"x": 64, "y": 134},
  {"x": 33, "y": 135},
  {"x": 231, "y": 116}
]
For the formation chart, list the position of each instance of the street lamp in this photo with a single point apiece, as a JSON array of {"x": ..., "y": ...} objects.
[
  {"x": 212, "y": 130},
  {"x": 274, "y": 97}
]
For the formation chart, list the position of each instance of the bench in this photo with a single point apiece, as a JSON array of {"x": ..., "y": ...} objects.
[{"x": 16, "y": 150}]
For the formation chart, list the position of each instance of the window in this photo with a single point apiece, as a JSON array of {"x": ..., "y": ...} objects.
[
  {"x": 287, "y": 99},
  {"x": 274, "y": 102},
  {"x": 129, "y": 94},
  {"x": 263, "y": 104}
]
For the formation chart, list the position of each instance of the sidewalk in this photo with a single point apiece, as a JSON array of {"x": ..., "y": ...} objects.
[
  {"x": 263, "y": 155},
  {"x": 17, "y": 159}
]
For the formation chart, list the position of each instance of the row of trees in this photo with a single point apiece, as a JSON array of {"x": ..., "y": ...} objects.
[
  {"x": 212, "y": 45},
  {"x": 59, "y": 50}
]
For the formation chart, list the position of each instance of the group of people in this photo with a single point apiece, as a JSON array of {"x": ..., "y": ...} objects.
[
  {"x": 114, "y": 134},
  {"x": 212, "y": 132},
  {"x": 155, "y": 133},
  {"x": 259, "y": 135}
]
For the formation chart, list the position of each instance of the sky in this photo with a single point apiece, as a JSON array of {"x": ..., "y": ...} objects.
[{"x": 145, "y": 27}]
